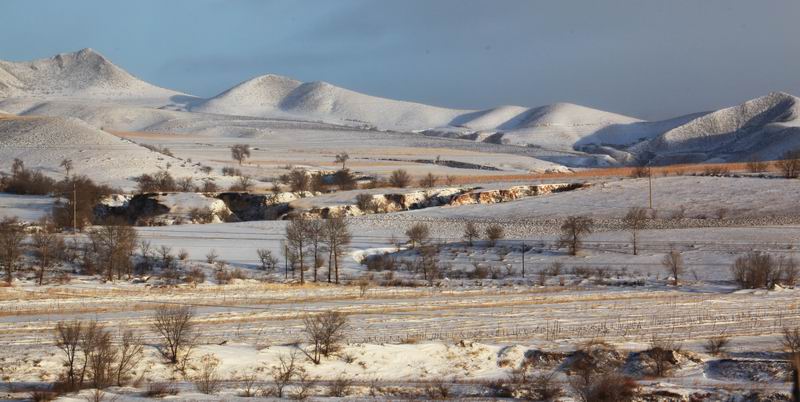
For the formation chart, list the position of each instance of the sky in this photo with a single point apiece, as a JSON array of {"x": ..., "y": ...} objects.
[{"x": 650, "y": 59}]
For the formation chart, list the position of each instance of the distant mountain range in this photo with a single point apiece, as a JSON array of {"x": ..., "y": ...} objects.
[{"x": 90, "y": 85}]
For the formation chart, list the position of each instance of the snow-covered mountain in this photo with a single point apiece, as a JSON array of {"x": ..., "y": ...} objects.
[
  {"x": 763, "y": 128},
  {"x": 88, "y": 86},
  {"x": 84, "y": 74}
]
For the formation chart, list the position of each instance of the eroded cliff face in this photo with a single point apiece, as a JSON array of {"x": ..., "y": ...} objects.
[
  {"x": 393, "y": 202},
  {"x": 178, "y": 208}
]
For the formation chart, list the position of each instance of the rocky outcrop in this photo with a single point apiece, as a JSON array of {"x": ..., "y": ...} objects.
[
  {"x": 394, "y": 202},
  {"x": 177, "y": 208}
]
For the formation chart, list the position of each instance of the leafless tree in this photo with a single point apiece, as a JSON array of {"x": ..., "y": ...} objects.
[
  {"x": 46, "y": 243},
  {"x": 68, "y": 336},
  {"x": 175, "y": 326},
  {"x": 428, "y": 181},
  {"x": 115, "y": 245},
  {"x": 755, "y": 165},
  {"x": 315, "y": 232},
  {"x": 67, "y": 165},
  {"x": 130, "y": 352},
  {"x": 207, "y": 378},
  {"x": 573, "y": 230},
  {"x": 399, "y": 178},
  {"x": 299, "y": 180},
  {"x": 673, "y": 263},
  {"x": 336, "y": 236},
  {"x": 418, "y": 234},
  {"x": 240, "y": 152},
  {"x": 494, "y": 233},
  {"x": 789, "y": 164},
  {"x": 754, "y": 270},
  {"x": 342, "y": 158},
  {"x": 325, "y": 332},
  {"x": 471, "y": 233},
  {"x": 634, "y": 221},
  {"x": 11, "y": 236},
  {"x": 297, "y": 240},
  {"x": 243, "y": 183},
  {"x": 791, "y": 341},
  {"x": 287, "y": 369}
]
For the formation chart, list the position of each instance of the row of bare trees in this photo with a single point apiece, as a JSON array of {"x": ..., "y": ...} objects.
[{"x": 311, "y": 238}]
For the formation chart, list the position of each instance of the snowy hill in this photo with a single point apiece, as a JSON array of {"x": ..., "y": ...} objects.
[
  {"x": 275, "y": 96},
  {"x": 42, "y": 142},
  {"x": 83, "y": 74},
  {"x": 764, "y": 128}
]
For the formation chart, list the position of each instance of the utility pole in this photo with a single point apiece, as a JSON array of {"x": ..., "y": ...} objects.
[{"x": 650, "y": 184}]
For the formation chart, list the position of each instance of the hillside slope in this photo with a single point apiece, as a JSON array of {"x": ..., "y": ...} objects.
[
  {"x": 42, "y": 142},
  {"x": 83, "y": 74},
  {"x": 762, "y": 128}
]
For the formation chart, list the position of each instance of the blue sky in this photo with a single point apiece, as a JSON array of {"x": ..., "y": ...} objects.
[{"x": 646, "y": 58}]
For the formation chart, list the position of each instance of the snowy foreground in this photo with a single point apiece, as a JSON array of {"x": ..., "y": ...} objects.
[{"x": 460, "y": 333}]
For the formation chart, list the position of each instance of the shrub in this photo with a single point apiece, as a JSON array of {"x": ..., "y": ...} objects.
[
  {"x": 207, "y": 378},
  {"x": 717, "y": 344},
  {"x": 754, "y": 165},
  {"x": 494, "y": 233},
  {"x": 418, "y": 234},
  {"x": 344, "y": 179},
  {"x": 428, "y": 181},
  {"x": 754, "y": 270},
  {"x": 605, "y": 388},
  {"x": 789, "y": 165},
  {"x": 26, "y": 182},
  {"x": 230, "y": 171},
  {"x": 399, "y": 178},
  {"x": 80, "y": 195},
  {"x": 366, "y": 203},
  {"x": 159, "y": 181}
]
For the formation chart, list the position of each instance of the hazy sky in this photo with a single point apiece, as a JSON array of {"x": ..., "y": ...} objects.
[{"x": 650, "y": 59}]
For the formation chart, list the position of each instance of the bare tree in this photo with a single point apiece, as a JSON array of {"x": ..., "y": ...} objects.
[
  {"x": 297, "y": 240},
  {"x": 493, "y": 234},
  {"x": 66, "y": 163},
  {"x": 115, "y": 245},
  {"x": 207, "y": 378},
  {"x": 46, "y": 243},
  {"x": 11, "y": 236},
  {"x": 288, "y": 369},
  {"x": 336, "y": 236},
  {"x": 130, "y": 352},
  {"x": 428, "y": 181},
  {"x": 789, "y": 164},
  {"x": 673, "y": 262},
  {"x": 342, "y": 158},
  {"x": 175, "y": 326},
  {"x": 635, "y": 220},
  {"x": 240, "y": 152},
  {"x": 68, "y": 336},
  {"x": 298, "y": 180},
  {"x": 573, "y": 230},
  {"x": 399, "y": 178},
  {"x": 470, "y": 232},
  {"x": 754, "y": 270},
  {"x": 418, "y": 234},
  {"x": 325, "y": 332},
  {"x": 755, "y": 165},
  {"x": 315, "y": 231}
]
